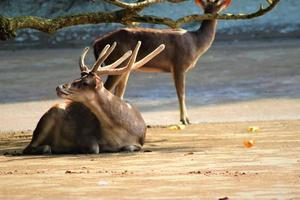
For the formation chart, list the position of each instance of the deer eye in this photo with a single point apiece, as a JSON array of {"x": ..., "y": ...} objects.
[{"x": 84, "y": 74}]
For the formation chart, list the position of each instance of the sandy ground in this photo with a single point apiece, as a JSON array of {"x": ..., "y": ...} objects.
[
  {"x": 205, "y": 161},
  {"x": 24, "y": 116},
  {"x": 234, "y": 86}
]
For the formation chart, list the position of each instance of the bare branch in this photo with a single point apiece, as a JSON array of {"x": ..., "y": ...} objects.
[
  {"x": 9, "y": 26},
  {"x": 228, "y": 16},
  {"x": 192, "y": 18},
  {"x": 139, "y": 5}
]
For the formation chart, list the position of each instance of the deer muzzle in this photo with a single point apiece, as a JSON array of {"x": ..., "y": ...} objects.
[{"x": 61, "y": 91}]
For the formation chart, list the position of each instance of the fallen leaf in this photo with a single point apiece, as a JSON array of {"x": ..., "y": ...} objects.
[
  {"x": 249, "y": 143},
  {"x": 189, "y": 153},
  {"x": 177, "y": 127},
  {"x": 224, "y": 198},
  {"x": 253, "y": 129}
]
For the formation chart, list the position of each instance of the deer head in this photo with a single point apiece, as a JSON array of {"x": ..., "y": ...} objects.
[
  {"x": 213, "y": 6},
  {"x": 90, "y": 83}
]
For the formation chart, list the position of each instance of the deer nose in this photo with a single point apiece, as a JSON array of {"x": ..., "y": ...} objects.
[{"x": 58, "y": 89}]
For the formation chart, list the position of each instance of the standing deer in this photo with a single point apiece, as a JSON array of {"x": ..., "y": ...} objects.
[
  {"x": 183, "y": 49},
  {"x": 93, "y": 120}
]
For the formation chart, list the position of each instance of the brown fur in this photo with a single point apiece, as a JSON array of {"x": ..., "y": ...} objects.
[{"x": 106, "y": 124}]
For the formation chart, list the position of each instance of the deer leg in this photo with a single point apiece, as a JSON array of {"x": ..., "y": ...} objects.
[
  {"x": 90, "y": 147},
  {"x": 43, "y": 134},
  {"x": 179, "y": 79}
]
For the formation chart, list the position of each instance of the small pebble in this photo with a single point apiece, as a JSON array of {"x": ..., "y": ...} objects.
[{"x": 102, "y": 183}]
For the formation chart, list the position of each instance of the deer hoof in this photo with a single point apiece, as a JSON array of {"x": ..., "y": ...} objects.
[
  {"x": 185, "y": 121},
  {"x": 93, "y": 149},
  {"x": 131, "y": 148},
  {"x": 30, "y": 150},
  {"x": 46, "y": 149}
]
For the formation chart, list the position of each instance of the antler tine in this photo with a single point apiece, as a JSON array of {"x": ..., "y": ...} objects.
[
  {"x": 82, "y": 66},
  {"x": 104, "y": 50},
  {"x": 105, "y": 53},
  {"x": 128, "y": 67},
  {"x": 149, "y": 57},
  {"x": 134, "y": 55},
  {"x": 117, "y": 62}
]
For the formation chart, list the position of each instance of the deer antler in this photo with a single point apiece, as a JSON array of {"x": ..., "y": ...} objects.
[
  {"x": 82, "y": 66},
  {"x": 104, "y": 50},
  {"x": 128, "y": 67},
  {"x": 132, "y": 65},
  {"x": 110, "y": 69},
  {"x": 149, "y": 57},
  {"x": 103, "y": 55},
  {"x": 117, "y": 62},
  {"x": 100, "y": 60}
]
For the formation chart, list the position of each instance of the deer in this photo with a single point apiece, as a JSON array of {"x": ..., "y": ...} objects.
[
  {"x": 93, "y": 120},
  {"x": 183, "y": 49}
]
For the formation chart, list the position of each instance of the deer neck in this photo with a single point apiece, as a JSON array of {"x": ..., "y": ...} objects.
[
  {"x": 99, "y": 103},
  {"x": 205, "y": 35}
]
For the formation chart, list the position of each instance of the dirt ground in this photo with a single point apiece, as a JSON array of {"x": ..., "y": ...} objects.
[
  {"x": 234, "y": 86},
  {"x": 206, "y": 161}
]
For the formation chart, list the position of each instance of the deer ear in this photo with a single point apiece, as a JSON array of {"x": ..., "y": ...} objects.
[
  {"x": 201, "y": 3},
  {"x": 225, "y": 4}
]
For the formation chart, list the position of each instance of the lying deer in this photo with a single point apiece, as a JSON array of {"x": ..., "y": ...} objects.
[
  {"x": 183, "y": 49},
  {"x": 93, "y": 120}
]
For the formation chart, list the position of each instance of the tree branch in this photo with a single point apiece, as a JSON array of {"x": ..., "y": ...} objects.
[
  {"x": 140, "y": 4},
  {"x": 228, "y": 16},
  {"x": 129, "y": 14}
]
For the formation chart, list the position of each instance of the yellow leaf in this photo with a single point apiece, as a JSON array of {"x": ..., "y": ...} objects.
[
  {"x": 253, "y": 129},
  {"x": 177, "y": 127}
]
